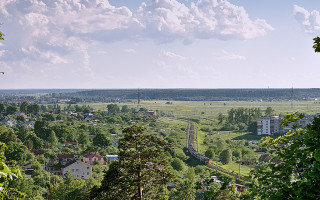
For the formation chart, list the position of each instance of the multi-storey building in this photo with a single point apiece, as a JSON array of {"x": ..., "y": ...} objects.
[
  {"x": 268, "y": 125},
  {"x": 78, "y": 169}
]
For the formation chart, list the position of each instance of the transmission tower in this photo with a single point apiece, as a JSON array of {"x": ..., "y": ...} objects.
[
  {"x": 138, "y": 96},
  {"x": 292, "y": 96}
]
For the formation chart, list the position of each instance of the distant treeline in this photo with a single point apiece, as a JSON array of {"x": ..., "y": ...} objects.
[
  {"x": 113, "y": 95},
  {"x": 203, "y": 94}
]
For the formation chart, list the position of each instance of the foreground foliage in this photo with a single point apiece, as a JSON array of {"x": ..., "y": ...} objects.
[{"x": 293, "y": 171}]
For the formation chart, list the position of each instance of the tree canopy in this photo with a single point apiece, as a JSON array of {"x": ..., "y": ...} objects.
[
  {"x": 293, "y": 171},
  {"x": 316, "y": 44}
]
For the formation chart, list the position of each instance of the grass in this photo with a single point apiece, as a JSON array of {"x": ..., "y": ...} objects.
[{"x": 211, "y": 109}]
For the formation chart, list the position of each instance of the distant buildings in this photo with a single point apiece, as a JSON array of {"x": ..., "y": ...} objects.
[
  {"x": 92, "y": 158},
  {"x": 270, "y": 125},
  {"x": 8, "y": 122},
  {"x": 112, "y": 157}
]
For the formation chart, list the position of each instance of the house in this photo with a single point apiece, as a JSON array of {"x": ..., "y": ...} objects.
[
  {"x": 72, "y": 145},
  {"x": 91, "y": 135},
  {"x": 92, "y": 158},
  {"x": 63, "y": 159},
  {"x": 21, "y": 114},
  {"x": 115, "y": 143},
  {"x": 170, "y": 186},
  {"x": 87, "y": 116},
  {"x": 152, "y": 113},
  {"x": 78, "y": 169},
  {"x": 215, "y": 179},
  {"x": 37, "y": 152},
  {"x": 8, "y": 122},
  {"x": 112, "y": 157},
  {"x": 27, "y": 124},
  {"x": 28, "y": 170}
]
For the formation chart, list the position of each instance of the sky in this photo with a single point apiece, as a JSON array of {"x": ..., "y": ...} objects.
[{"x": 159, "y": 44}]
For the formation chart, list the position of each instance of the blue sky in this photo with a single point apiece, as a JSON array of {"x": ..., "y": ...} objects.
[{"x": 159, "y": 44}]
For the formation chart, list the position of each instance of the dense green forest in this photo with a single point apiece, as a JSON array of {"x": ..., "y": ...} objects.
[{"x": 113, "y": 95}]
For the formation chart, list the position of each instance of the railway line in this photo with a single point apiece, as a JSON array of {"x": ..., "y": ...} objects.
[{"x": 198, "y": 156}]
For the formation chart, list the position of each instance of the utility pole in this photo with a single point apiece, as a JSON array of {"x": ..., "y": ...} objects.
[{"x": 292, "y": 96}]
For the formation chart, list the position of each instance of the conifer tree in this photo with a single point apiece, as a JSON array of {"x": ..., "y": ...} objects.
[{"x": 142, "y": 167}]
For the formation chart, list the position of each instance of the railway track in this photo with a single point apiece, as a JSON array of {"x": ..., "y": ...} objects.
[{"x": 203, "y": 159}]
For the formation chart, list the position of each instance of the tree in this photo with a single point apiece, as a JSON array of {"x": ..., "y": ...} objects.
[
  {"x": 177, "y": 164},
  {"x": 269, "y": 111},
  {"x": 24, "y": 107},
  {"x": 42, "y": 129},
  {"x": 52, "y": 140},
  {"x": 7, "y": 175},
  {"x": 101, "y": 140},
  {"x": 2, "y": 108},
  {"x": 209, "y": 153},
  {"x": 220, "y": 145},
  {"x": 83, "y": 138},
  {"x": 142, "y": 167},
  {"x": 113, "y": 108},
  {"x": 11, "y": 109},
  {"x": 187, "y": 188},
  {"x": 125, "y": 109},
  {"x": 316, "y": 44},
  {"x": 293, "y": 171},
  {"x": 1, "y": 36},
  {"x": 221, "y": 117},
  {"x": 69, "y": 189},
  {"x": 225, "y": 156}
]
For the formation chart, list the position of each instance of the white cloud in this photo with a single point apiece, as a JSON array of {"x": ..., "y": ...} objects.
[
  {"x": 48, "y": 31},
  {"x": 168, "y": 20},
  {"x": 225, "y": 55},
  {"x": 169, "y": 54},
  {"x": 309, "y": 21}
]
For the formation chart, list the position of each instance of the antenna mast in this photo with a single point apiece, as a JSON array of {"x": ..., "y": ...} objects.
[
  {"x": 138, "y": 96},
  {"x": 292, "y": 96}
]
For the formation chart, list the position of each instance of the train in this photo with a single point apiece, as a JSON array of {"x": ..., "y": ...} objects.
[{"x": 205, "y": 160}]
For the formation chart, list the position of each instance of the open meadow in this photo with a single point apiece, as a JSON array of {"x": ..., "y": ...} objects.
[{"x": 211, "y": 109}]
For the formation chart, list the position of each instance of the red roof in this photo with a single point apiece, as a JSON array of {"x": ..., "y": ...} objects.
[
  {"x": 37, "y": 152},
  {"x": 91, "y": 155},
  {"x": 65, "y": 156},
  {"x": 71, "y": 143}
]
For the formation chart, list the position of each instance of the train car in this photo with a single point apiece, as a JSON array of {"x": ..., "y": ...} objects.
[{"x": 205, "y": 160}]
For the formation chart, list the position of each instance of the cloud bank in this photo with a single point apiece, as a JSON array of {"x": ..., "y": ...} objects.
[
  {"x": 309, "y": 21},
  {"x": 48, "y": 30}
]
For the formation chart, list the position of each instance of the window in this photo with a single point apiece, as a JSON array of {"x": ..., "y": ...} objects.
[
  {"x": 72, "y": 170},
  {"x": 77, "y": 170},
  {"x": 87, "y": 173},
  {"x": 88, "y": 167}
]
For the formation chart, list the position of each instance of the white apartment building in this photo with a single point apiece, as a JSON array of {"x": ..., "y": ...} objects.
[
  {"x": 78, "y": 169},
  {"x": 268, "y": 125}
]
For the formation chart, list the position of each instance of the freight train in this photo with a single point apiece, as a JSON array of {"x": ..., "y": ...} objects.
[{"x": 191, "y": 149}]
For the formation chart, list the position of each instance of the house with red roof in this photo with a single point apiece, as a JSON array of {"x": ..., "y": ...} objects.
[{"x": 92, "y": 158}]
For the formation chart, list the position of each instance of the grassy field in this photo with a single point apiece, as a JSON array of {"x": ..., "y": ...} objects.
[{"x": 211, "y": 109}]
